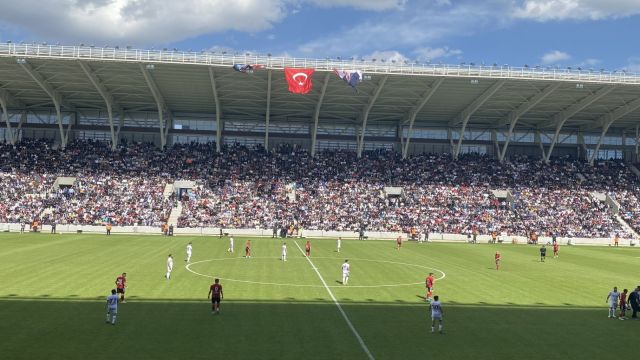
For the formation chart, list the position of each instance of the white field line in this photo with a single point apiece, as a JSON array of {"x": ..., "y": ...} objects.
[{"x": 335, "y": 301}]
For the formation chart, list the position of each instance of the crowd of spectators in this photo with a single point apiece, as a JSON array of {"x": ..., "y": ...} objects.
[{"x": 253, "y": 188}]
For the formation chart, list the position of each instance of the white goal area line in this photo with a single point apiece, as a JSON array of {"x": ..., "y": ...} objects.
[{"x": 335, "y": 301}]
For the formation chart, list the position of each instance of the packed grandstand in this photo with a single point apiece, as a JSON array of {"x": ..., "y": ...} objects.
[
  {"x": 464, "y": 150},
  {"x": 244, "y": 187}
]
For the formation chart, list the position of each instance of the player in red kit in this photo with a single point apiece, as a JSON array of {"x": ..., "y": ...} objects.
[
  {"x": 556, "y": 248},
  {"x": 121, "y": 283},
  {"x": 307, "y": 248},
  {"x": 429, "y": 282},
  {"x": 247, "y": 249},
  {"x": 398, "y": 242},
  {"x": 215, "y": 293},
  {"x": 623, "y": 303},
  {"x": 498, "y": 258}
]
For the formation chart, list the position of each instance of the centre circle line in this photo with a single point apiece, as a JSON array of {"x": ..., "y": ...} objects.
[{"x": 188, "y": 267}]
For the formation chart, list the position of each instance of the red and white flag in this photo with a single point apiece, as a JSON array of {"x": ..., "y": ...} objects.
[{"x": 299, "y": 80}]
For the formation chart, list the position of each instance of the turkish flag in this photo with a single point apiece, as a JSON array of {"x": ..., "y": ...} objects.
[{"x": 299, "y": 80}]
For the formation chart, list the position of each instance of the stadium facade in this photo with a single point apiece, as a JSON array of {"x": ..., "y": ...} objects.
[{"x": 166, "y": 97}]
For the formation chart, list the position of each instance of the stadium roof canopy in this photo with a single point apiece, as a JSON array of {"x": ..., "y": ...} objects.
[{"x": 75, "y": 78}]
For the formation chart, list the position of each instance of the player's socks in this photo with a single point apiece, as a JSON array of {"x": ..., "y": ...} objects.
[
  {"x": 440, "y": 328},
  {"x": 432, "y": 328},
  {"x": 107, "y": 318},
  {"x": 113, "y": 320}
]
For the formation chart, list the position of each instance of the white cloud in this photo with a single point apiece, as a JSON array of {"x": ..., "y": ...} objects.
[
  {"x": 634, "y": 65},
  {"x": 554, "y": 57},
  {"x": 376, "y": 5},
  {"x": 429, "y": 53},
  {"x": 139, "y": 21},
  {"x": 145, "y": 22},
  {"x": 428, "y": 22},
  {"x": 589, "y": 62},
  {"x": 544, "y": 10},
  {"x": 389, "y": 55}
]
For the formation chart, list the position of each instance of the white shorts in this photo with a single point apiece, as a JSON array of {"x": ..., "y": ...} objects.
[
  {"x": 345, "y": 274},
  {"x": 436, "y": 316},
  {"x": 613, "y": 305},
  {"x": 112, "y": 311}
]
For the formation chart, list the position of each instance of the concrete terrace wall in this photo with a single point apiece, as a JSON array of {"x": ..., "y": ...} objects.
[{"x": 372, "y": 235}]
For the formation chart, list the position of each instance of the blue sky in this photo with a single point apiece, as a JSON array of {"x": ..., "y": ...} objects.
[{"x": 588, "y": 33}]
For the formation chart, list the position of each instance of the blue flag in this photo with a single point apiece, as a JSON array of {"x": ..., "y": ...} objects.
[{"x": 351, "y": 77}]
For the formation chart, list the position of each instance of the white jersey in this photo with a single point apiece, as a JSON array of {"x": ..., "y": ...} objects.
[
  {"x": 613, "y": 297},
  {"x": 339, "y": 243},
  {"x": 436, "y": 309},
  {"x": 189, "y": 249},
  {"x": 112, "y": 301},
  {"x": 231, "y": 242},
  {"x": 284, "y": 250},
  {"x": 345, "y": 268},
  {"x": 169, "y": 264}
]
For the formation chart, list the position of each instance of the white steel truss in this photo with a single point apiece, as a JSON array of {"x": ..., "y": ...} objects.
[
  {"x": 216, "y": 100},
  {"x": 56, "y": 98},
  {"x": 161, "y": 104},
  {"x": 108, "y": 99},
  {"x": 367, "y": 110},
  {"x": 316, "y": 114},
  {"x": 5, "y": 99},
  {"x": 607, "y": 119},
  {"x": 514, "y": 116},
  {"x": 560, "y": 118},
  {"x": 268, "y": 113},
  {"x": 466, "y": 114},
  {"x": 414, "y": 112}
]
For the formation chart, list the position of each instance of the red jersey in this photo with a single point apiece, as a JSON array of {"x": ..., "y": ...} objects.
[
  {"x": 307, "y": 247},
  {"x": 121, "y": 282},
  {"x": 497, "y": 256},
  {"x": 216, "y": 290},
  {"x": 556, "y": 247},
  {"x": 399, "y": 239},
  {"x": 623, "y": 298},
  {"x": 430, "y": 281}
]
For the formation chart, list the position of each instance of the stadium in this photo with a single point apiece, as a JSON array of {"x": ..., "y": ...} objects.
[{"x": 456, "y": 162}]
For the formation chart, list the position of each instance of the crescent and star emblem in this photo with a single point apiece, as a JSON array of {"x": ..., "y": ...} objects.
[{"x": 300, "y": 82}]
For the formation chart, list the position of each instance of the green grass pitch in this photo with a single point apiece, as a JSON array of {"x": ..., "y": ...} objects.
[{"x": 54, "y": 288}]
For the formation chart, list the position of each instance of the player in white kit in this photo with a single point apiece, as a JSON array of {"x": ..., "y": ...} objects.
[
  {"x": 345, "y": 272},
  {"x": 189, "y": 252},
  {"x": 230, "y": 249},
  {"x": 339, "y": 243},
  {"x": 283, "y": 256},
  {"x": 169, "y": 267},
  {"x": 612, "y": 298},
  {"x": 436, "y": 314},
  {"x": 112, "y": 307}
]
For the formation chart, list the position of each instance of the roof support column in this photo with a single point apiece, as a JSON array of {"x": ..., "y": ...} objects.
[
  {"x": 560, "y": 118},
  {"x": 316, "y": 115},
  {"x": 414, "y": 112},
  {"x": 161, "y": 104},
  {"x": 465, "y": 115},
  {"x": 120, "y": 126},
  {"x": 56, "y": 98},
  {"x": 637, "y": 139},
  {"x": 268, "y": 114},
  {"x": 513, "y": 116},
  {"x": 538, "y": 139},
  {"x": 607, "y": 119},
  {"x": 5, "y": 115},
  {"x": 365, "y": 113},
  {"x": 17, "y": 131},
  {"x": 216, "y": 99},
  {"x": 106, "y": 96}
]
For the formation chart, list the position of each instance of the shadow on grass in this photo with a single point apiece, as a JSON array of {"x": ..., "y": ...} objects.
[{"x": 256, "y": 329}]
